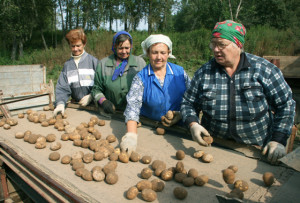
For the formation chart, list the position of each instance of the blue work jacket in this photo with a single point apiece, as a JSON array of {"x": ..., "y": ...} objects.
[{"x": 157, "y": 100}]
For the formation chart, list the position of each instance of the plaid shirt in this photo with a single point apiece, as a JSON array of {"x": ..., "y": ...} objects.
[{"x": 239, "y": 107}]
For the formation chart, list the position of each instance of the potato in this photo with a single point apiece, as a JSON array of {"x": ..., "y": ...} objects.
[
  {"x": 41, "y": 139},
  {"x": 73, "y": 161},
  {"x": 144, "y": 184},
  {"x": 87, "y": 175},
  {"x": 242, "y": 185},
  {"x": 135, "y": 157},
  {"x": 111, "y": 138},
  {"x": 108, "y": 169},
  {"x": 27, "y": 132},
  {"x": 180, "y": 154},
  {"x": 55, "y": 146},
  {"x": 179, "y": 167},
  {"x": 146, "y": 159},
  {"x": 19, "y": 135},
  {"x": 180, "y": 193},
  {"x": 98, "y": 175},
  {"x": 149, "y": 195},
  {"x": 233, "y": 167},
  {"x": 26, "y": 138},
  {"x": 146, "y": 173},
  {"x": 45, "y": 123},
  {"x": 40, "y": 145},
  {"x": 54, "y": 156},
  {"x": 85, "y": 143},
  {"x": 88, "y": 158},
  {"x": 20, "y": 115},
  {"x": 157, "y": 185},
  {"x": 236, "y": 193},
  {"x": 97, "y": 134},
  {"x": 167, "y": 175},
  {"x": 77, "y": 165},
  {"x": 7, "y": 127},
  {"x": 65, "y": 159},
  {"x": 207, "y": 158},
  {"x": 77, "y": 155},
  {"x": 104, "y": 150},
  {"x": 156, "y": 163},
  {"x": 29, "y": 111},
  {"x": 2, "y": 123},
  {"x": 170, "y": 115},
  {"x": 132, "y": 192},
  {"x": 46, "y": 108},
  {"x": 32, "y": 138},
  {"x": 208, "y": 139},
  {"x": 101, "y": 122},
  {"x": 179, "y": 177},
  {"x": 98, "y": 156},
  {"x": 188, "y": 181},
  {"x": 198, "y": 154},
  {"x": 65, "y": 137},
  {"x": 52, "y": 121},
  {"x": 79, "y": 171},
  {"x": 201, "y": 180},
  {"x": 77, "y": 142},
  {"x": 114, "y": 164},
  {"x": 96, "y": 168},
  {"x": 50, "y": 138},
  {"x": 111, "y": 178},
  {"x": 113, "y": 157},
  {"x": 159, "y": 169},
  {"x": 123, "y": 157},
  {"x": 193, "y": 173},
  {"x": 268, "y": 178},
  {"x": 228, "y": 176},
  {"x": 160, "y": 131}
]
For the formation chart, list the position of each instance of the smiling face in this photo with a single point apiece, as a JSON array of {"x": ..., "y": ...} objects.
[
  {"x": 123, "y": 49},
  {"x": 77, "y": 47},
  {"x": 225, "y": 52},
  {"x": 158, "y": 55}
]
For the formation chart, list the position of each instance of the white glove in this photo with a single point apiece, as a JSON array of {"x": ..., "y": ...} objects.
[
  {"x": 84, "y": 101},
  {"x": 59, "y": 108},
  {"x": 276, "y": 151},
  {"x": 196, "y": 131},
  {"x": 128, "y": 143}
]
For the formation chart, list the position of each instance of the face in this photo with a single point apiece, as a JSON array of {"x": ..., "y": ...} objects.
[
  {"x": 123, "y": 49},
  {"x": 158, "y": 55},
  {"x": 225, "y": 52},
  {"x": 77, "y": 47}
]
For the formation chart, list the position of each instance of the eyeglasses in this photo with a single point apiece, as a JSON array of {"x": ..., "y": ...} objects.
[{"x": 220, "y": 45}]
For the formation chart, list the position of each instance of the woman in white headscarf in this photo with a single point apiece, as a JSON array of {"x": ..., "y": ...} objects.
[{"x": 155, "y": 90}]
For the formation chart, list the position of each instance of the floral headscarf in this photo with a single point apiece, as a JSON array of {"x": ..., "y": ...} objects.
[{"x": 230, "y": 30}]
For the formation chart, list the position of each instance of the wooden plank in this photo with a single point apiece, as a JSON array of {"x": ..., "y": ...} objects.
[{"x": 289, "y": 65}]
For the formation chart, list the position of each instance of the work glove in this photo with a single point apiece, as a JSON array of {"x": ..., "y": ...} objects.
[
  {"x": 169, "y": 122},
  {"x": 59, "y": 109},
  {"x": 275, "y": 151},
  {"x": 196, "y": 131},
  {"x": 129, "y": 142},
  {"x": 84, "y": 101},
  {"x": 108, "y": 107}
]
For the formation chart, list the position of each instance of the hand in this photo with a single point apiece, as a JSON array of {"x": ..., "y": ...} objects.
[
  {"x": 59, "y": 109},
  {"x": 108, "y": 107},
  {"x": 169, "y": 122},
  {"x": 276, "y": 151},
  {"x": 196, "y": 131},
  {"x": 129, "y": 142},
  {"x": 84, "y": 101}
]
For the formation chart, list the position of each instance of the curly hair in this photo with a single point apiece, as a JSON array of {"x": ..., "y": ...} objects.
[{"x": 75, "y": 35}]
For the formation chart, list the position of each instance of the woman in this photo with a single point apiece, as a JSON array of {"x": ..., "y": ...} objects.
[
  {"x": 159, "y": 87},
  {"x": 77, "y": 77},
  {"x": 115, "y": 73}
]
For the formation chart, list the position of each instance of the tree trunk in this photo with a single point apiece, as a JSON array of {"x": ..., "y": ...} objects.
[
  {"x": 238, "y": 9},
  {"x": 150, "y": 18},
  {"x": 43, "y": 39},
  {"x": 229, "y": 2},
  {"x": 37, "y": 18},
  {"x": 77, "y": 14},
  {"x": 62, "y": 16},
  {"x": 14, "y": 49},
  {"x": 20, "y": 48}
]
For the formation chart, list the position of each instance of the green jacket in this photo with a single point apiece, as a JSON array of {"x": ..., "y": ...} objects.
[{"x": 115, "y": 91}]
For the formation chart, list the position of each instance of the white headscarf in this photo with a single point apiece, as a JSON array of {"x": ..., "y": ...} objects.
[{"x": 158, "y": 38}]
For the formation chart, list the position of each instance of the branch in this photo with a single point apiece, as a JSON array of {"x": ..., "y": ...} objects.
[{"x": 238, "y": 9}]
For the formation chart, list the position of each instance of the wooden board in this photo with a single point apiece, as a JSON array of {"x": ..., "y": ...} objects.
[{"x": 289, "y": 65}]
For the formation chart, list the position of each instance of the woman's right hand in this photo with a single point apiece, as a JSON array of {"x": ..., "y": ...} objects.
[
  {"x": 129, "y": 143},
  {"x": 108, "y": 107}
]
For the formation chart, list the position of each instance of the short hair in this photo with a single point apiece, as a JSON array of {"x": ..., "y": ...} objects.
[
  {"x": 236, "y": 46},
  {"x": 75, "y": 35},
  {"x": 122, "y": 38}
]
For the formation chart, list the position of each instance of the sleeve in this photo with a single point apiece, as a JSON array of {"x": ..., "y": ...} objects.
[
  {"x": 98, "y": 88},
  {"x": 63, "y": 90},
  {"x": 279, "y": 96},
  {"x": 134, "y": 100},
  {"x": 187, "y": 80},
  {"x": 189, "y": 108}
]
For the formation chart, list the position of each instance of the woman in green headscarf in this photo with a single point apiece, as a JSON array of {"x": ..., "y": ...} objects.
[{"x": 236, "y": 91}]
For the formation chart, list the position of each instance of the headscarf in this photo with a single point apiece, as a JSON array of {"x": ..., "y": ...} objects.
[
  {"x": 230, "y": 30},
  {"x": 120, "y": 69},
  {"x": 158, "y": 38}
]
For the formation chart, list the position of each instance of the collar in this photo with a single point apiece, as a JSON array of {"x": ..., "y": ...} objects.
[
  {"x": 76, "y": 57},
  {"x": 111, "y": 62},
  {"x": 168, "y": 72}
]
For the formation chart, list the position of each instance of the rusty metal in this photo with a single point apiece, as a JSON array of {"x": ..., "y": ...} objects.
[
  {"x": 4, "y": 187},
  {"x": 41, "y": 175},
  {"x": 25, "y": 98},
  {"x": 3, "y": 107},
  {"x": 291, "y": 140}
]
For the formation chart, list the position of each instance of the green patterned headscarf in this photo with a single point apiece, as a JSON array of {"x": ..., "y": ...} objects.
[{"x": 230, "y": 30}]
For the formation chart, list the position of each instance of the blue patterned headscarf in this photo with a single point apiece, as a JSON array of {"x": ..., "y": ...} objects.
[{"x": 120, "y": 69}]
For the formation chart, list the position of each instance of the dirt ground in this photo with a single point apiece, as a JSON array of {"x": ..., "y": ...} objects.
[{"x": 158, "y": 147}]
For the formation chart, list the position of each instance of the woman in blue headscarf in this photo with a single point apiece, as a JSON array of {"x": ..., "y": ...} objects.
[{"x": 114, "y": 74}]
